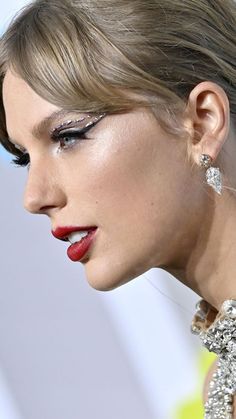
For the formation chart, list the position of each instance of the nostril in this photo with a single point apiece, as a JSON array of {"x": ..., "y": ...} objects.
[
  {"x": 46, "y": 208},
  {"x": 34, "y": 207}
]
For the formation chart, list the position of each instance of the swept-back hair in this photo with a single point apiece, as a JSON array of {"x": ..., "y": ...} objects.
[{"x": 89, "y": 55}]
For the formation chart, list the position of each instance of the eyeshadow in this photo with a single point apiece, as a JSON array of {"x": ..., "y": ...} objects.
[{"x": 66, "y": 124}]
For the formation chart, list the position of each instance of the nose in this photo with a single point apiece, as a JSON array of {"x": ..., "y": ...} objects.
[{"x": 42, "y": 191}]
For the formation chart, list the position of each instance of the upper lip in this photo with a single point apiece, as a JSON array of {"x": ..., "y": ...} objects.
[{"x": 62, "y": 233}]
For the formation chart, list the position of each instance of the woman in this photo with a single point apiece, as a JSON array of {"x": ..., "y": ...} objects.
[{"x": 124, "y": 114}]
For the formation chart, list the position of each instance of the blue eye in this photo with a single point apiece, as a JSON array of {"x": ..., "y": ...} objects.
[
  {"x": 67, "y": 136},
  {"x": 69, "y": 139}
]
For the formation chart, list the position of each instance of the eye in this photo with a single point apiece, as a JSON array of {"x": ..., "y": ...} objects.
[{"x": 66, "y": 138}]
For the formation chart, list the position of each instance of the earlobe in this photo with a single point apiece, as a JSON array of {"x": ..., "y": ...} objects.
[{"x": 209, "y": 112}]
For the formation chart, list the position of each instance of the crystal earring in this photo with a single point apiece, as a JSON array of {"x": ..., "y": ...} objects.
[{"x": 213, "y": 174}]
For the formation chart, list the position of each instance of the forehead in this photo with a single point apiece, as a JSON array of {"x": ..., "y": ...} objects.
[{"x": 23, "y": 107}]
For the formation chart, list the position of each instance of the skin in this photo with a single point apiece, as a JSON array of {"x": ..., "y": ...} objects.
[{"x": 133, "y": 181}]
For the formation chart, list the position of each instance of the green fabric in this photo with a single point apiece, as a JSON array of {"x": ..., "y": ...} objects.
[{"x": 192, "y": 406}]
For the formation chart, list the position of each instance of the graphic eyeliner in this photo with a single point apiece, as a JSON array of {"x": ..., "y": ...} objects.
[
  {"x": 68, "y": 131},
  {"x": 66, "y": 124},
  {"x": 60, "y": 132}
]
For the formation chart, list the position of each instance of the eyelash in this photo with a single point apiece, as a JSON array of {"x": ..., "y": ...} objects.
[{"x": 23, "y": 160}]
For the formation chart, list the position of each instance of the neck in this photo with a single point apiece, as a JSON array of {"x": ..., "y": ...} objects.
[{"x": 211, "y": 266}]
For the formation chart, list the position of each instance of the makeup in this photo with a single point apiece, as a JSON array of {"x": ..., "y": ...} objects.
[
  {"x": 62, "y": 233},
  {"x": 78, "y": 250},
  {"x": 90, "y": 118},
  {"x": 66, "y": 130}
]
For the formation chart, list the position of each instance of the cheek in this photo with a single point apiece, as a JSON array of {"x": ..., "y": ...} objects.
[
  {"x": 137, "y": 199},
  {"x": 127, "y": 187},
  {"x": 135, "y": 235},
  {"x": 134, "y": 185}
]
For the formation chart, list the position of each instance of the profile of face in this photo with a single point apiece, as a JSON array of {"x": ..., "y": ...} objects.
[{"x": 125, "y": 176}]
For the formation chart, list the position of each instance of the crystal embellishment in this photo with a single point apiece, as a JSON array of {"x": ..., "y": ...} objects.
[
  {"x": 217, "y": 332},
  {"x": 205, "y": 160},
  {"x": 229, "y": 308},
  {"x": 213, "y": 174},
  {"x": 214, "y": 179}
]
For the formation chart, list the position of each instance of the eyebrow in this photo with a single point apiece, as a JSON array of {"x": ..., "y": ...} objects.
[
  {"x": 43, "y": 125},
  {"x": 39, "y": 129}
]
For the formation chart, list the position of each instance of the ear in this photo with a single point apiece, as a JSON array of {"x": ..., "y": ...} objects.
[{"x": 208, "y": 120}]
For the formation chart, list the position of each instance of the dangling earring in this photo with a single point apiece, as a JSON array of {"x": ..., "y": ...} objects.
[{"x": 213, "y": 174}]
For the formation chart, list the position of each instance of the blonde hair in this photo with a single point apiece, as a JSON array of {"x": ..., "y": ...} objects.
[{"x": 89, "y": 54}]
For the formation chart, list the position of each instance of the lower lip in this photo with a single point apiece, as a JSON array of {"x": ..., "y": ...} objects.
[{"x": 78, "y": 250}]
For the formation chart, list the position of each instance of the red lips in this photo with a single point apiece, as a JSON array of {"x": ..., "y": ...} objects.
[
  {"x": 62, "y": 233},
  {"x": 78, "y": 250}
]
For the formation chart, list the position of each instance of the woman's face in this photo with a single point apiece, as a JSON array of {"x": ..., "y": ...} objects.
[{"x": 128, "y": 177}]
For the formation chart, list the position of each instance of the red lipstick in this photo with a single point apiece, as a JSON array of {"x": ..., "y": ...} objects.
[
  {"x": 77, "y": 250},
  {"x": 63, "y": 232}
]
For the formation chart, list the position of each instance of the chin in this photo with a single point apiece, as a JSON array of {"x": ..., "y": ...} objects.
[
  {"x": 99, "y": 282},
  {"x": 106, "y": 279}
]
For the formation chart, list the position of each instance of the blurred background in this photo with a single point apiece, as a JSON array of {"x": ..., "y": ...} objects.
[{"x": 68, "y": 351}]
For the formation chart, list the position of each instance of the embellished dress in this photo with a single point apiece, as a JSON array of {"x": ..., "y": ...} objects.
[{"x": 217, "y": 331}]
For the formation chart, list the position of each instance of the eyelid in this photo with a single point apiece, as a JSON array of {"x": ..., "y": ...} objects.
[
  {"x": 66, "y": 125},
  {"x": 54, "y": 133},
  {"x": 74, "y": 131},
  {"x": 69, "y": 124}
]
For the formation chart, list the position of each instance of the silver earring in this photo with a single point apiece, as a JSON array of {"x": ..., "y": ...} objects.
[{"x": 213, "y": 174}]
